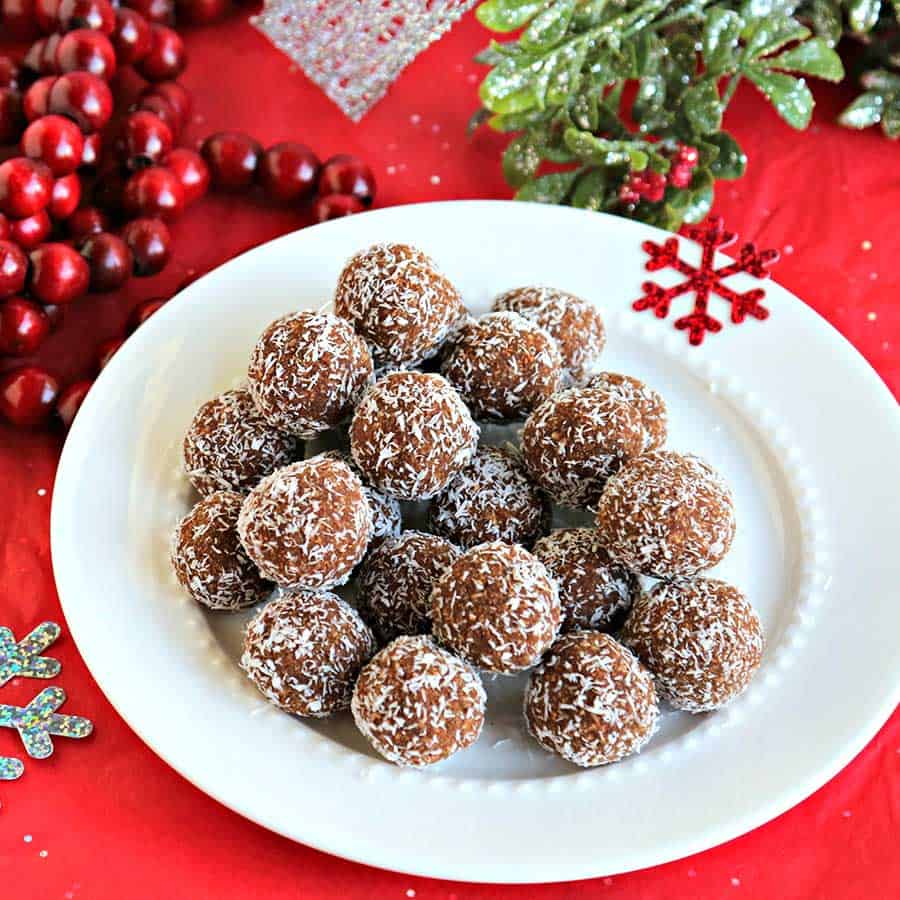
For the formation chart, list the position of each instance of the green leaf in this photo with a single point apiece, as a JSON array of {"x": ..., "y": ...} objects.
[
  {"x": 516, "y": 121},
  {"x": 702, "y": 193},
  {"x": 520, "y": 161},
  {"x": 880, "y": 80},
  {"x": 791, "y": 98},
  {"x": 827, "y": 20},
  {"x": 752, "y": 10},
  {"x": 703, "y": 107},
  {"x": 549, "y": 26},
  {"x": 867, "y": 109},
  {"x": 508, "y": 15},
  {"x": 588, "y": 13},
  {"x": 601, "y": 152},
  {"x": 863, "y": 14},
  {"x": 720, "y": 39},
  {"x": 476, "y": 120},
  {"x": 590, "y": 190},
  {"x": 509, "y": 88},
  {"x": 812, "y": 57},
  {"x": 772, "y": 33},
  {"x": 584, "y": 110},
  {"x": 566, "y": 75},
  {"x": 890, "y": 121},
  {"x": 731, "y": 161},
  {"x": 552, "y": 188}
]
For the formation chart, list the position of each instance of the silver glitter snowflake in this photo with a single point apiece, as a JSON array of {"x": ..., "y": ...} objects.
[{"x": 355, "y": 49}]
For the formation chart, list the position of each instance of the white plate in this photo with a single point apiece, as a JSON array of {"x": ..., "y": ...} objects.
[{"x": 794, "y": 418}]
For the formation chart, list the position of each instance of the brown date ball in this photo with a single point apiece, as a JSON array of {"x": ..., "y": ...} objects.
[
  {"x": 503, "y": 366},
  {"x": 230, "y": 446},
  {"x": 396, "y": 580},
  {"x": 208, "y": 559},
  {"x": 649, "y": 405},
  {"x": 701, "y": 639},
  {"x": 496, "y": 607},
  {"x": 304, "y": 651},
  {"x": 594, "y": 591},
  {"x": 417, "y": 704},
  {"x": 491, "y": 499},
  {"x": 591, "y": 701},
  {"x": 666, "y": 515},
  {"x": 307, "y": 525},
  {"x": 575, "y": 440},
  {"x": 307, "y": 372},
  {"x": 395, "y": 297}
]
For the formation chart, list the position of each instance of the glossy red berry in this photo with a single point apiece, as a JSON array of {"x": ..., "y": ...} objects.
[
  {"x": 688, "y": 155},
  {"x": 147, "y": 139},
  {"x": 27, "y": 395},
  {"x": 343, "y": 174},
  {"x": 48, "y": 64},
  {"x": 109, "y": 191},
  {"x": 233, "y": 158},
  {"x": 86, "y": 221},
  {"x": 36, "y": 102},
  {"x": 45, "y": 14},
  {"x": 12, "y": 120},
  {"x": 84, "y": 98},
  {"x": 150, "y": 243},
  {"x": 176, "y": 95},
  {"x": 59, "y": 274},
  {"x": 161, "y": 11},
  {"x": 130, "y": 37},
  {"x": 13, "y": 269},
  {"x": 201, "y": 12},
  {"x": 70, "y": 401},
  {"x": 106, "y": 350},
  {"x": 93, "y": 144},
  {"x": 288, "y": 172},
  {"x": 191, "y": 171},
  {"x": 34, "y": 54},
  {"x": 680, "y": 176},
  {"x": 167, "y": 56},
  {"x": 55, "y": 315},
  {"x": 23, "y": 326},
  {"x": 156, "y": 193},
  {"x": 18, "y": 19},
  {"x": 30, "y": 232},
  {"x": 25, "y": 187},
  {"x": 84, "y": 50},
  {"x": 10, "y": 73},
  {"x": 98, "y": 15},
  {"x": 143, "y": 311},
  {"x": 162, "y": 109},
  {"x": 55, "y": 141},
  {"x": 336, "y": 206},
  {"x": 4, "y": 228},
  {"x": 109, "y": 259},
  {"x": 66, "y": 197}
]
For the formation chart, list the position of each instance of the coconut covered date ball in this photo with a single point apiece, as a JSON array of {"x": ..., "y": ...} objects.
[
  {"x": 307, "y": 525},
  {"x": 411, "y": 434},
  {"x": 701, "y": 639},
  {"x": 307, "y": 372},
  {"x": 417, "y": 704},
  {"x": 304, "y": 651},
  {"x": 649, "y": 405}
]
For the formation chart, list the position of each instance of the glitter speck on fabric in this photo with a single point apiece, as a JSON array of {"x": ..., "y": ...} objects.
[
  {"x": 735, "y": 882},
  {"x": 23, "y": 658},
  {"x": 39, "y": 720},
  {"x": 866, "y": 245}
]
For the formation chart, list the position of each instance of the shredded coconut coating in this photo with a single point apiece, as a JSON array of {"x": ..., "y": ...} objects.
[
  {"x": 575, "y": 325},
  {"x": 503, "y": 365},
  {"x": 395, "y": 297},
  {"x": 497, "y": 607},
  {"x": 591, "y": 701},
  {"x": 395, "y": 583},
  {"x": 594, "y": 591},
  {"x": 230, "y": 446},
  {"x": 411, "y": 434},
  {"x": 307, "y": 371},
  {"x": 304, "y": 652},
  {"x": 307, "y": 525},
  {"x": 666, "y": 514},
  {"x": 575, "y": 440},
  {"x": 417, "y": 704},
  {"x": 491, "y": 499},
  {"x": 650, "y": 406},
  {"x": 208, "y": 559},
  {"x": 701, "y": 639}
]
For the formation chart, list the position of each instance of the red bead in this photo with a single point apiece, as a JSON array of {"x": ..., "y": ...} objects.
[
  {"x": 147, "y": 139},
  {"x": 93, "y": 144},
  {"x": 4, "y": 228},
  {"x": 167, "y": 56},
  {"x": 27, "y": 395},
  {"x": 86, "y": 221},
  {"x": 336, "y": 206},
  {"x": 25, "y": 187},
  {"x": 288, "y": 172},
  {"x": 150, "y": 243},
  {"x": 109, "y": 191},
  {"x": 17, "y": 16},
  {"x": 109, "y": 260},
  {"x": 11, "y": 119},
  {"x": 106, "y": 350},
  {"x": 35, "y": 55},
  {"x": 680, "y": 176},
  {"x": 55, "y": 141},
  {"x": 84, "y": 50},
  {"x": 23, "y": 326},
  {"x": 36, "y": 102},
  {"x": 31, "y": 232},
  {"x": 143, "y": 311},
  {"x": 176, "y": 95},
  {"x": 70, "y": 401},
  {"x": 58, "y": 274},
  {"x": 162, "y": 109},
  {"x": 345, "y": 174},
  {"x": 688, "y": 155},
  {"x": 55, "y": 315},
  {"x": 98, "y": 15},
  {"x": 66, "y": 197},
  {"x": 48, "y": 64},
  {"x": 201, "y": 12},
  {"x": 45, "y": 13},
  {"x": 10, "y": 73},
  {"x": 130, "y": 37},
  {"x": 233, "y": 158},
  {"x": 161, "y": 11},
  {"x": 156, "y": 193},
  {"x": 84, "y": 98},
  {"x": 191, "y": 171},
  {"x": 13, "y": 269}
]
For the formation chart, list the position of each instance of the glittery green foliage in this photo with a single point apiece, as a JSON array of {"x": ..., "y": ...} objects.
[{"x": 594, "y": 91}]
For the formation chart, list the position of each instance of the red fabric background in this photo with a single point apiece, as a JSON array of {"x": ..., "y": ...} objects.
[{"x": 104, "y": 819}]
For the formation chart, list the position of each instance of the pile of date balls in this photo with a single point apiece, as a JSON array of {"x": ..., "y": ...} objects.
[{"x": 88, "y": 190}]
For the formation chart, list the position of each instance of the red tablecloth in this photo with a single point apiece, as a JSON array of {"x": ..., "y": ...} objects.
[{"x": 104, "y": 819}]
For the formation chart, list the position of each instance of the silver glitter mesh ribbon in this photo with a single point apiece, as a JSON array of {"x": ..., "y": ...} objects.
[{"x": 355, "y": 49}]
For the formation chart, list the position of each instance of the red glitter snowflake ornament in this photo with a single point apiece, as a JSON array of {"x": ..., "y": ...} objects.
[{"x": 705, "y": 279}]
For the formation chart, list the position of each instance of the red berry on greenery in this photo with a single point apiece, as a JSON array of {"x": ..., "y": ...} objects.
[
  {"x": 336, "y": 206},
  {"x": 288, "y": 172},
  {"x": 23, "y": 326},
  {"x": 59, "y": 274},
  {"x": 12, "y": 119},
  {"x": 233, "y": 158},
  {"x": 25, "y": 187},
  {"x": 93, "y": 144},
  {"x": 98, "y": 15},
  {"x": 84, "y": 50},
  {"x": 147, "y": 139},
  {"x": 143, "y": 311},
  {"x": 176, "y": 95},
  {"x": 70, "y": 401},
  {"x": 109, "y": 259},
  {"x": 84, "y": 98},
  {"x": 46, "y": 14},
  {"x": 167, "y": 56},
  {"x": 55, "y": 141},
  {"x": 130, "y": 36},
  {"x": 106, "y": 350},
  {"x": 36, "y": 102},
  {"x": 27, "y": 395},
  {"x": 86, "y": 221},
  {"x": 161, "y": 11},
  {"x": 66, "y": 197},
  {"x": 150, "y": 243},
  {"x": 10, "y": 73},
  {"x": 688, "y": 155},
  {"x": 32, "y": 231},
  {"x": 680, "y": 176},
  {"x": 343, "y": 174},
  {"x": 191, "y": 171},
  {"x": 155, "y": 192},
  {"x": 13, "y": 269}
]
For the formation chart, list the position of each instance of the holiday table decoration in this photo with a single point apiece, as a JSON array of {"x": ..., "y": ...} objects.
[
  {"x": 37, "y": 721},
  {"x": 11, "y": 768},
  {"x": 23, "y": 659}
]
